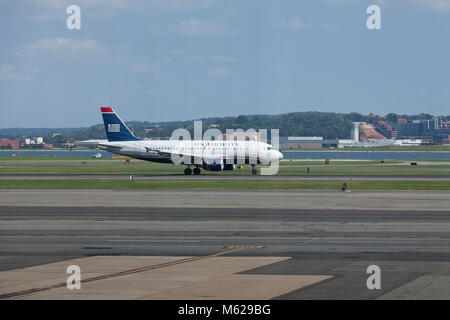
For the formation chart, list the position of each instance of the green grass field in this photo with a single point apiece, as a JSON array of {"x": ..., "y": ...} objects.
[
  {"x": 2, "y": 158},
  {"x": 31, "y": 165},
  {"x": 435, "y": 148},
  {"x": 219, "y": 184},
  {"x": 170, "y": 169}
]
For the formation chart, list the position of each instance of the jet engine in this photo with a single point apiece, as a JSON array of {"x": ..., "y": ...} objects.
[
  {"x": 213, "y": 165},
  {"x": 229, "y": 167}
]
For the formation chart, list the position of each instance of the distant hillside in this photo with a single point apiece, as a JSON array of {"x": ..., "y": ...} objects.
[
  {"x": 34, "y": 132},
  {"x": 325, "y": 124}
]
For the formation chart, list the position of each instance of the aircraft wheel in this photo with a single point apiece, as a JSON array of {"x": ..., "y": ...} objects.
[
  {"x": 187, "y": 171},
  {"x": 196, "y": 171},
  {"x": 254, "y": 171}
]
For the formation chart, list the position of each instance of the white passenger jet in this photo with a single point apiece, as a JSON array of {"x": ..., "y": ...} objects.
[{"x": 214, "y": 155}]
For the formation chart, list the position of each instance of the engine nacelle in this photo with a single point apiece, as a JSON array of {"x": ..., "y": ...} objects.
[
  {"x": 229, "y": 167},
  {"x": 213, "y": 164}
]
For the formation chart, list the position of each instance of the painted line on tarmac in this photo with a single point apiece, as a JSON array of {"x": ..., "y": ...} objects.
[
  {"x": 232, "y": 249},
  {"x": 245, "y": 247}
]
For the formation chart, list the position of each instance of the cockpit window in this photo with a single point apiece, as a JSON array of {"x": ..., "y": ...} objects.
[{"x": 269, "y": 148}]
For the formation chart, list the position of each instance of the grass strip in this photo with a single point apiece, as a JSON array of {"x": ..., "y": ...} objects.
[{"x": 217, "y": 184}]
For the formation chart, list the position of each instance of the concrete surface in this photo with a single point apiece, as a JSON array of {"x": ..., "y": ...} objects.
[
  {"x": 291, "y": 239},
  {"x": 280, "y": 199},
  {"x": 211, "y": 278}
]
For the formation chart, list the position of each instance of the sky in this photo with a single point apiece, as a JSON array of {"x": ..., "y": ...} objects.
[{"x": 163, "y": 60}]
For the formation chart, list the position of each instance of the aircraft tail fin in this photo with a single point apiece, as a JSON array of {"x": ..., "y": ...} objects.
[{"x": 116, "y": 130}]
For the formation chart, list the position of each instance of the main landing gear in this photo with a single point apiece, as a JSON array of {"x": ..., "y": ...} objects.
[
  {"x": 254, "y": 171},
  {"x": 188, "y": 171}
]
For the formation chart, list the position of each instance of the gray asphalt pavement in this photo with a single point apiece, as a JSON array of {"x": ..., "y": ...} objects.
[
  {"x": 231, "y": 177},
  {"x": 407, "y": 234}
]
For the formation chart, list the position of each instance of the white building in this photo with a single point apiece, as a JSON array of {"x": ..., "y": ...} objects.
[{"x": 355, "y": 130}]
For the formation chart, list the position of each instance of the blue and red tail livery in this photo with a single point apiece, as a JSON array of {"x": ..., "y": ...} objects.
[{"x": 116, "y": 130}]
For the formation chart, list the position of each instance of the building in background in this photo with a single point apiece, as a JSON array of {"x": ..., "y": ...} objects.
[
  {"x": 35, "y": 143},
  {"x": 355, "y": 130},
  {"x": 429, "y": 131},
  {"x": 10, "y": 144},
  {"x": 307, "y": 143}
]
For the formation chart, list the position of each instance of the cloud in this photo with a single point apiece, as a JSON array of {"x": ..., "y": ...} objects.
[
  {"x": 293, "y": 24},
  {"x": 6, "y": 68},
  {"x": 145, "y": 67},
  {"x": 9, "y": 72},
  {"x": 440, "y": 5},
  {"x": 231, "y": 13},
  {"x": 342, "y": 1},
  {"x": 48, "y": 10},
  {"x": 221, "y": 59},
  {"x": 63, "y": 46},
  {"x": 185, "y": 57},
  {"x": 196, "y": 27},
  {"x": 221, "y": 72},
  {"x": 62, "y": 4},
  {"x": 183, "y": 4},
  {"x": 162, "y": 4},
  {"x": 327, "y": 26}
]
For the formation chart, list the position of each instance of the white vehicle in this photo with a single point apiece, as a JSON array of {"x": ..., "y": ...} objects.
[
  {"x": 214, "y": 155},
  {"x": 97, "y": 156}
]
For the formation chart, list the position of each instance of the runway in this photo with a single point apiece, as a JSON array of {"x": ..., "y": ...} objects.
[
  {"x": 232, "y": 199},
  {"x": 337, "y": 177},
  {"x": 224, "y": 244}
]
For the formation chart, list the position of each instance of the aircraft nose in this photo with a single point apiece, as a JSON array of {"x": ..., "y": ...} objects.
[{"x": 277, "y": 155}]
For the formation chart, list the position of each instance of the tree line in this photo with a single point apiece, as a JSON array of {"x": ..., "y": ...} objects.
[{"x": 324, "y": 124}]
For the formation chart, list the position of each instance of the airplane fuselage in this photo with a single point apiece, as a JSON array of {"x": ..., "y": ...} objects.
[
  {"x": 162, "y": 151},
  {"x": 214, "y": 155}
]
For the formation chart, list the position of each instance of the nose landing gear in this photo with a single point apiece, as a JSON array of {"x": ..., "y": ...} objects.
[{"x": 254, "y": 171}]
